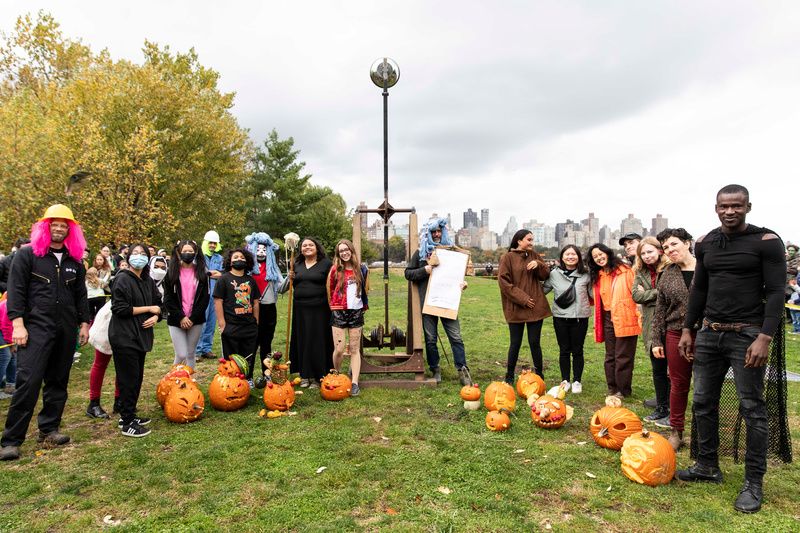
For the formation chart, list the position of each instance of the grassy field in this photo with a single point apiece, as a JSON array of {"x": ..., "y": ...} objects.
[{"x": 395, "y": 460}]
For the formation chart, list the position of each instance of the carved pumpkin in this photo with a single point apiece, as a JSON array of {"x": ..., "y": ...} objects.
[
  {"x": 279, "y": 397},
  {"x": 648, "y": 458},
  {"x": 181, "y": 366},
  {"x": 612, "y": 424},
  {"x": 172, "y": 378},
  {"x": 228, "y": 393},
  {"x": 499, "y": 394},
  {"x": 185, "y": 403},
  {"x": 236, "y": 366},
  {"x": 529, "y": 383},
  {"x": 470, "y": 393},
  {"x": 550, "y": 413},
  {"x": 498, "y": 420},
  {"x": 335, "y": 386}
]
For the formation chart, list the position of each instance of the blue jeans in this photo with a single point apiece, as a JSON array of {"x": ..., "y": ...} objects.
[
  {"x": 795, "y": 320},
  {"x": 453, "y": 330},
  {"x": 715, "y": 352},
  {"x": 207, "y": 337},
  {"x": 8, "y": 367}
]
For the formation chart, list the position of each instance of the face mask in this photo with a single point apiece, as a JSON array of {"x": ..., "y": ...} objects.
[
  {"x": 138, "y": 261},
  {"x": 187, "y": 257},
  {"x": 158, "y": 273},
  {"x": 239, "y": 265}
]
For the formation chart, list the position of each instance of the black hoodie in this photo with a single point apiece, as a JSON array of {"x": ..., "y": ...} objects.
[{"x": 125, "y": 332}]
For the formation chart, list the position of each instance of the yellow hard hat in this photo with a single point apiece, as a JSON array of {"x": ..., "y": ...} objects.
[{"x": 58, "y": 211}]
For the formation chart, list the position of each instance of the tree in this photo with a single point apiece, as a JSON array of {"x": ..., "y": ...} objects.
[
  {"x": 370, "y": 251},
  {"x": 397, "y": 249}
]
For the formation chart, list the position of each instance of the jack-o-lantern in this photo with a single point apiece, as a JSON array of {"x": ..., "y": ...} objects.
[
  {"x": 184, "y": 403},
  {"x": 279, "y": 397},
  {"x": 471, "y": 394},
  {"x": 228, "y": 393},
  {"x": 550, "y": 413},
  {"x": 235, "y": 366},
  {"x": 498, "y": 420},
  {"x": 335, "y": 386},
  {"x": 528, "y": 383},
  {"x": 499, "y": 395},
  {"x": 172, "y": 378},
  {"x": 181, "y": 366},
  {"x": 612, "y": 424},
  {"x": 648, "y": 458}
]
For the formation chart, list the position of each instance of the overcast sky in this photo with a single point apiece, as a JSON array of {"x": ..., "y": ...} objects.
[{"x": 540, "y": 110}]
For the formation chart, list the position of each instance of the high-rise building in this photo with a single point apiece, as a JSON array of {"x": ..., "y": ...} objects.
[
  {"x": 363, "y": 205},
  {"x": 562, "y": 229},
  {"x": 591, "y": 226},
  {"x": 470, "y": 218},
  {"x": 659, "y": 224},
  {"x": 484, "y": 218},
  {"x": 631, "y": 225}
]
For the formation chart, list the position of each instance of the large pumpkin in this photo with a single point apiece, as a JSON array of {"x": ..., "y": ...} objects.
[
  {"x": 335, "y": 386},
  {"x": 549, "y": 413},
  {"x": 648, "y": 458},
  {"x": 498, "y": 395},
  {"x": 612, "y": 424},
  {"x": 228, "y": 393},
  {"x": 185, "y": 403},
  {"x": 498, "y": 420},
  {"x": 172, "y": 378},
  {"x": 279, "y": 397},
  {"x": 529, "y": 383}
]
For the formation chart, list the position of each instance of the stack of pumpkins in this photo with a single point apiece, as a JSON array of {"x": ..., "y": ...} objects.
[
  {"x": 279, "y": 394},
  {"x": 229, "y": 389},
  {"x": 646, "y": 457},
  {"x": 179, "y": 395}
]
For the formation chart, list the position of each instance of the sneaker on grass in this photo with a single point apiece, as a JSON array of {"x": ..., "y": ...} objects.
[
  {"x": 135, "y": 430},
  {"x": 142, "y": 421}
]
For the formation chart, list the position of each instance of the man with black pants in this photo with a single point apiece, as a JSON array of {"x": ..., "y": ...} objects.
[
  {"x": 46, "y": 304},
  {"x": 738, "y": 294}
]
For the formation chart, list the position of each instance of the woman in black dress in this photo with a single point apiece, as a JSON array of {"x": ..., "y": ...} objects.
[{"x": 311, "y": 345}]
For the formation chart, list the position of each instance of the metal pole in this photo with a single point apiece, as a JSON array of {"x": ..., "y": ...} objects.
[{"x": 386, "y": 203}]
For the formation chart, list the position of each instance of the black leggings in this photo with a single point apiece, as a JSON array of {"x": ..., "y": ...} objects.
[
  {"x": 129, "y": 365},
  {"x": 570, "y": 334},
  {"x": 267, "y": 320},
  {"x": 534, "y": 341},
  {"x": 95, "y": 304}
]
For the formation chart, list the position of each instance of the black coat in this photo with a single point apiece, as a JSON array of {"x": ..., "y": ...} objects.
[
  {"x": 5, "y": 269},
  {"x": 172, "y": 302},
  {"x": 125, "y": 332}
]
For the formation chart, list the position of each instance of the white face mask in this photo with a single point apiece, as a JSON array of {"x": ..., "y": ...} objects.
[{"x": 157, "y": 273}]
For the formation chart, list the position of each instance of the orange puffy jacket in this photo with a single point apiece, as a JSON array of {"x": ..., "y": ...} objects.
[{"x": 625, "y": 313}]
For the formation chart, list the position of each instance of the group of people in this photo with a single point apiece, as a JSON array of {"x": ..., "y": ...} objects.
[{"x": 698, "y": 311}]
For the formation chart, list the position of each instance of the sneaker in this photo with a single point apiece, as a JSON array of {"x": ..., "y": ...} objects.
[
  {"x": 577, "y": 388},
  {"x": 303, "y": 383},
  {"x": 663, "y": 423},
  {"x": 749, "y": 500},
  {"x": 134, "y": 430},
  {"x": 143, "y": 421},
  {"x": 9, "y": 453},
  {"x": 658, "y": 414},
  {"x": 54, "y": 438},
  {"x": 76, "y": 357},
  {"x": 463, "y": 376},
  {"x": 312, "y": 384},
  {"x": 437, "y": 374},
  {"x": 4, "y": 395},
  {"x": 651, "y": 403},
  {"x": 355, "y": 390},
  {"x": 698, "y": 472},
  {"x": 565, "y": 385},
  {"x": 95, "y": 411}
]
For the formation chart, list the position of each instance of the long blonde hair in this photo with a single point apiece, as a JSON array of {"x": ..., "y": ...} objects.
[
  {"x": 662, "y": 259},
  {"x": 338, "y": 265},
  {"x": 91, "y": 278}
]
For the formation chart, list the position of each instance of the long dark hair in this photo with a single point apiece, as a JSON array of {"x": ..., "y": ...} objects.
[
  {"x": 320, "y": 250},
  {"x": 594, "y": 268},
  {"x": 248, "y": 257},
  {"x": 174, "y": 269},
  {"x": 580, "y": 268},
  {"x": 518, "y": 236}
]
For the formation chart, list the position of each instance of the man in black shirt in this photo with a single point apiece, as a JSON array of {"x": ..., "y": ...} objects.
[{"x": 738, "y": 294}]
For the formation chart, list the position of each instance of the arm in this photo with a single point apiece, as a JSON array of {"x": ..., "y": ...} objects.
[
  {"x": 697, "y": 303},
  {"x": 82, "y": 305},
  {"x": 171, "y": 302},
  {"x": 547, "y": 286},
  {"x": 773, "y": 271},
  {"x": 657, "y": 330},
  {"x": 4, "y": 273},
  {"x": 506, "y": 281},
  {"x": 220, "y": 313},
  {"x": 641, "y": 292},
  {"x": 18, "y": 280},
  {"x": 121, "y": 302},
  {"x": 542, "y": 272},
  {"x": 414, "y": 272}
]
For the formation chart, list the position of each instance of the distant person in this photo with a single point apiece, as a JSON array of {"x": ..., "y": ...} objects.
[
  {"x": 630, "y": 242},
  {"x": 8, "y": 354},
  {"x": 5, "y": 263},
  {"x": 94, "y": 292},
  {"x": 120, "y": 256},
  {"x": 738, "y": 295},
  {"x": 210, "y": 247},
  {"x": 158, "y": 271},
  {"x": 432, "y": 235},
  {"x": 186, "y": 299},
  {"x": 103, "y": 267},
  {"x": 792, "y": 260}
]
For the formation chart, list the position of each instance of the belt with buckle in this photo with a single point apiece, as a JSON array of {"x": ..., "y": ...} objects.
[{"x": 721, "y": 326}]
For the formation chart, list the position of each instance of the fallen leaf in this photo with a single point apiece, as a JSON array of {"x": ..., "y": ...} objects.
[
  {"x": 590, "y": 475},
  {"x": 384, "y": 438},
  {"x": 608, "y": 489},
  {"x": 377, "y": 419},
  {"x": 498, "y": 363},
  {"x": 581, "y": 443},
  {"x": 527, "y": 461},
  {"x": 321, "y": 469},
  {"x": 450, "y": 404},
  {"x": 291, "y": 413},
  {"x": 38, "y": 453},
  {"x": 519, "y": 451},
  {"x": 498, "y": 496},
  {"x": 418, "y": 498},
  {"x": 444, "y": 490},
  {"x": 109, "y": 520},
  {"x": 391, "y": 511},
  {"x": 408, "y": 409},
  {"x": 298, "y": 393}
]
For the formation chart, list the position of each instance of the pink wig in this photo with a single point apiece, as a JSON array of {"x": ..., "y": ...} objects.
[{"x": 40, "y": 239}]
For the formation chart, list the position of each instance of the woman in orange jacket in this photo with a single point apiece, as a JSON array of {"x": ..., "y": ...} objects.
[{"x": 617, "y": 320}]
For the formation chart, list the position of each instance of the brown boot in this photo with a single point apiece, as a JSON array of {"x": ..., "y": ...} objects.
[{"x": 676, "y": 439}]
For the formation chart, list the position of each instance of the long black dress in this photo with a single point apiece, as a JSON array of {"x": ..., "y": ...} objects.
[{"x": 311, "y": 347}]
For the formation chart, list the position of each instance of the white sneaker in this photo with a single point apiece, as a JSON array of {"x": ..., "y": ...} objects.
[
  {"x": 565, "y": 385},
  {"x": 76, "y": 357},
  {"x": 577, "y": 388}
]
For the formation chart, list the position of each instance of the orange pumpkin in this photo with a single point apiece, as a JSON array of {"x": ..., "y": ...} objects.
[
  {"x": 335, "y": 386},
  {"x": 470, "y": 393},
  {"x": 185, "y": 403},
  {"x": 612, "y": 424},
  {"x": 648, "y": 458},
  {"x": 528, "y": 383},
  {"x": 279, "y": 397},
  {"x": 235, "y": 366},
  {"x": 499, "y": 394},
  {"x": 168, "y": 382},
  {"x": 548, "y": 412},
  {"x": 228, "y": 393},
  {"x": 181, "y": 366},
  {"x": 498, "y": 420}
]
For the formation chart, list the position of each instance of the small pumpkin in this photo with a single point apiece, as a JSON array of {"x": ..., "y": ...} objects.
[
  {"x": 528, "y": 383},
  {"x": 228, "y": 393},
  {"x": 166, "y": 384},
  {"x": 648, "y": 458},
  {"x": 470, "y": 393},
  {"x": 612, "y": 424},
  {"x": 335, "y": 386},
  {"x": 498, "y": 395},
  {"x": 550, "y": 413},
  {"x": 498, "y": 420},
  {"x": 184, "y": 403},
  {"x": 279, "y": 397}
]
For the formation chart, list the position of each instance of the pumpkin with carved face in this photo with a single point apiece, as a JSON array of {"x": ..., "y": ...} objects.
[
  {"x": 498, "y": 420},
  {"x": 229, "y": 389},
  {"x": 185, "y": 403},
  {"x": 550, "y": 413},
  {"x": 471, "y": 394},
  {"x": 498, "y": 395},
  {"x": 165, "y": 385},
  {"x": 648, "y": 458},
  {"x": 335, "y": 386},
  {"x": 528, "y": 383},
  {"x": 612, "y": 424},
  {"x": 279, "y": 397}
]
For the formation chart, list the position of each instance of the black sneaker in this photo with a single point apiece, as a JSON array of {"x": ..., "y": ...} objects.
[
  {"x": 95, "y": 411},
  {"x": 135, "y": 430},
  {"x": 142, "y": 421},
  {"x": 657, "y": 415},
  {"x": 749, "y": 500},
  {"x": 698, "y": 472},
  {"x": 651, "y": 403}
]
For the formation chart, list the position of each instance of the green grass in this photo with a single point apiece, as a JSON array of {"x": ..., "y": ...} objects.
[{"x": 236, "y": 471}]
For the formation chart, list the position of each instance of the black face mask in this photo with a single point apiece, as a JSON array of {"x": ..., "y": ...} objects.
[
  {"x": 187, "y": 257},
  {"x": 239, "y": 265}
]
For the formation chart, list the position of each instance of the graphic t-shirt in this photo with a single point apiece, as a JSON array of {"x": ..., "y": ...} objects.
[{"x": 238, "y": 295}]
